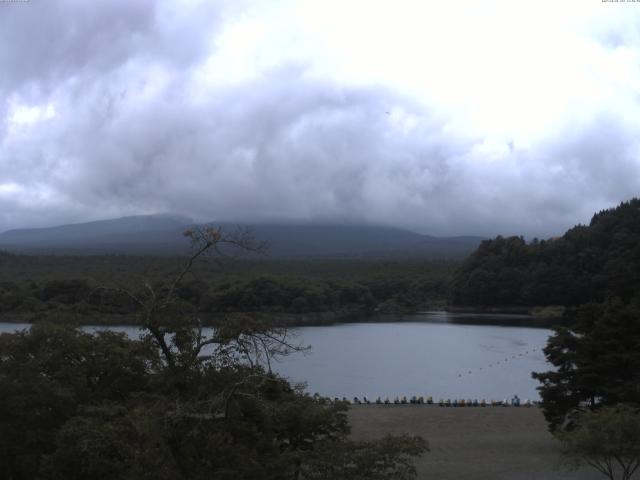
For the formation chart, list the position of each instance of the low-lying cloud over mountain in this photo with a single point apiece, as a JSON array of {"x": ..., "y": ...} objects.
[
  {"x": 468, "y": 119},
  {"x": 163, "y": 234}
]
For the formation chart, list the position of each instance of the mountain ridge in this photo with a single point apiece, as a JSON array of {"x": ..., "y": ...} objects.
[{"x": 162, "y": 234}]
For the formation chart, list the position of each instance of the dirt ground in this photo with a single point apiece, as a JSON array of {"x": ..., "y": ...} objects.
[{"x": 472, "y": 443}]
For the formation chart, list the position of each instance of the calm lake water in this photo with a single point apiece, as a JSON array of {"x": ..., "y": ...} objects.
[{"x": 424, "y": 356}]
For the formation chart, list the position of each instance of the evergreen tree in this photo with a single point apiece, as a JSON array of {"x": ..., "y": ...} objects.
[{"x": 596, "y": 360}]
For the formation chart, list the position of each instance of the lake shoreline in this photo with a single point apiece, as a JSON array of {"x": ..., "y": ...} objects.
[
  {"x": 496, "y": 316},
  {"x": 387, "y": 359}
]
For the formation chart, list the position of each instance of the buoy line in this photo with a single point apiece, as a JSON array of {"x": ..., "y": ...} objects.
[
  {"x": 456, "y": 402},
  {"x": 448, "y": 402},
  {"x": 502, "y": 361}
]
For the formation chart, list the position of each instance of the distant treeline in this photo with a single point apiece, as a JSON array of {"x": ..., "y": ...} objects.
[
  {"x": 588, "y": 263},
  {"x": 39, "y": 287}
]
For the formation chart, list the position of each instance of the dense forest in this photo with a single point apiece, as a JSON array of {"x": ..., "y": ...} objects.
[
  {"x": 169, "y": 412},
  {"x": 594, "y": 271},
  {"x": 175, "y": 404},
  {"x": 588, "y": 263},
  {"x": 42, "y": 287}
]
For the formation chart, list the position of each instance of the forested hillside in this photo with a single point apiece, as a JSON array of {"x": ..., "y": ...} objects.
[
  {"x": 41, "y": 287},
  {"x": 84, "y": 406},
  {"x": 588, "y": 263},
  {"x": 594, "y": 270}
]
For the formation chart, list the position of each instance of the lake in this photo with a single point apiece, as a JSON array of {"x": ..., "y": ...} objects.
[{"x": 426, "y": 355}]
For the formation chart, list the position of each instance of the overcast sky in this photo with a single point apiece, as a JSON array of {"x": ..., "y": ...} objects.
[{"x": 461, "y": 117}]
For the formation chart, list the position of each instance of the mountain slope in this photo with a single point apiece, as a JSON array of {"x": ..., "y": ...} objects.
[
  {"x": 124, "y": 225},
  {"x": 162, "y": 234}
]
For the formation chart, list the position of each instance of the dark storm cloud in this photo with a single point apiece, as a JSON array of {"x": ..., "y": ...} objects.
[{"x": 132, "y": 127}]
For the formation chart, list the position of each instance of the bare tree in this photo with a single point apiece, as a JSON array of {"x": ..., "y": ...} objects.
[{"x": 181, "y": 338}]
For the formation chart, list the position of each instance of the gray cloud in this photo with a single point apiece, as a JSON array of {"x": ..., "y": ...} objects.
[
  {"x": 44, "y": 42},
  {"x": 132, "y": 131}
]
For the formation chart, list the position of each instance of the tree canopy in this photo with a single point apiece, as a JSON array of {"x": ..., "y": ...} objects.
[
  {"x": 596, "y": 360},
  {"x": 175, "y": 404},
  {"x": 586, "y": 264},
  {"x": 607, "y": 440},
  {"x": 593, "y": 270},
  {"x": 595, "y": 353}
]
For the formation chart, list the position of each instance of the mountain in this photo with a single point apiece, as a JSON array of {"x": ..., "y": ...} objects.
[
  {"x": 358, "y": 241},
  {"x": 136, "y": 234},
  {"x": 162, "y": 234}
]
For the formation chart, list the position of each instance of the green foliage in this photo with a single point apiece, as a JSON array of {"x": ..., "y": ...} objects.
[
  {"x": 47, "y": 373},
  {"x": 391, "y": 457},
  {"x": 40, "y": 288},
  {"x": 80, "y": 406},
  {"x": 174, "y": 405},
  {"x": 588, "y": 263},
  {"x": 596, "y": 360},
  {"x": 593, "y": 269},
  {"x": 607, "y": 439}
]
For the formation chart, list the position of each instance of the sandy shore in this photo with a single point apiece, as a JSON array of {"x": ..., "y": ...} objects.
[{"x": 492, "y": 443}]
